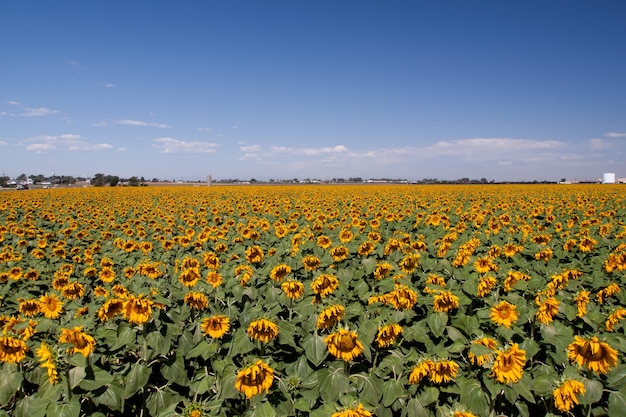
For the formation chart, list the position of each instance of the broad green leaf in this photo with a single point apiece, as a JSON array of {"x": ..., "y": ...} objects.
[
  {"x": 31, "y": 407},
  {"x": 315, "y": 349},
  {"x": 95, "y": 378},
  {"x": 428, "y": 396},
  {"x": 159, "y": 400},
  {"x": 136, "y": 379},
  {"x": 264, "y": 409},
  {"x": 10, "y": 383},
  {"x": 392, "y": 390},
  {"x": 472, "y": 395},
  {"x": 174, "y": 370},
  {"x": 333, "y": 382},
  {"x": 125, "y": 337},
  {"x": 593, "y": 392},
  {"x": 415, "y": 409},
  {"x": 76, "y": 374},
  {"x": 70, "y": 408},
  {"x": 241, "y": 343},
  {"x": 437, "y": 323},
  {"x": 617, "y": 402},
  {"x": 112, "y": 397},
  {"x": 616, "y": 378},
  {"x": 159, "y": 343},
  {"x": 522, "y": 387}
]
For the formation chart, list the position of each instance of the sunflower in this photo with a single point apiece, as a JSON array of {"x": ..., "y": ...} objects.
[
  {"x": 587, "y": 244},
  {"x": 614, "y": 318},
  {"x": 110, "y": 309},
  {"x": 345, "y": 236},
  {"x": 420, "y": 370},
  {"x": 120, "y": 291},
  {"x": 593, "y": 354},
  {"x": 48, "y": 362},
  {"x": 488, "y": 342},
  {"x": 463, "y": 414},
  {"x": 50, "y": 306},
  {"x": 189, "y": 277},
  {"x": 255, "y": 379},
  {"x": 137, "y": 310},
  {"x": 214, "y": 278},
  {"x": 508, "y": 365},
  {"x": 582, "y": 299},
  {"x": 485, "y": 285},
  {"x": 442, "y": 371},
  {"x": 445, "y": 301},
  {"x": 325, "y": 284},
  {"x": 388, "y": 334},
  {"x": 358, "y": 411},
  {"x": 279, "y": 272},
  {"x": 330, "y": 316},
  {"x": 293, "y": 289},
  {"x": 484, "y": 265},
  {"x": 254, "y": 254},
  {"x": 73, "y": 290},
  {"x": 81, "y": 342},
  {"x": 263, "y": 330},
  {"x": 29, "y": 308},
  {"x": 344, "y": 344},
  {"x": 107, "y": 275},
  {"x": 244, "y": 274},
  {"x": 196, "y": 300},
  {"x": 12, "y": 350},
  {"x": 566, "y": 395},
  {"x": 547, "y": 310},
  {"x": 311, "y": 263},
  {"x": 324, "y": 242},
  {"x": 215, "y": 326},
  {"x": 339, "y": 253},
  {"x": 609, "y": 291},
  {"x": 401, "y": 298},
  {"x": 365, "y": 248},
  {"x": 504, "y": 314},
  {"x": 510, "y": 250},
  {"x": 100, "y": 291},
  {"x": 383, "y": 270},
  {"x": 410, "y": 262}
]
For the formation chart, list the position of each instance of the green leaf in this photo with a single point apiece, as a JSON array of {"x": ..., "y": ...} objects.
[
  {"x": 125, "y": 337},
  {"x": 159, "y": 343},
  {"x": 522, "y": 387},
  {"x": 593, "y": 392},
  {"x": 617, "y": 377},
  {"x": 617, "y": 402},
  {"x": 241, "y": 343},
  {"x": 112, "y": 397},
  {"x": 333, "y": 382},
  {"x": 543, "y": 385},
  {"x": 392, "y": 390},
  {"x": 315, "y": 349},
  {"x": 76, "y": 374},
  {"x": 31, "y": 407},
  {"x": 136, "y": 379},
  {"x": 65, "y": 409},
  {"x": 264, "y": 409},
  {"x": 159, "y": 400},
  {"x": 437, "y": 323},
  {"x": 472, "y": 395},
  {"x": 174, "y": 370},
  {"x": 428, "y": 396},
  {"x": 415, "y": 409},
  {"x": 10, "y": 382},
  {"x": 95, "y": 378}
]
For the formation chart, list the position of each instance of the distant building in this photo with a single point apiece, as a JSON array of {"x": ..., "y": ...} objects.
[{"x": 608, "y": 178}]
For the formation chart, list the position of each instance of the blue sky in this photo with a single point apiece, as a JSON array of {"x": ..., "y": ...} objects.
[{"x": 503, "y": 90}]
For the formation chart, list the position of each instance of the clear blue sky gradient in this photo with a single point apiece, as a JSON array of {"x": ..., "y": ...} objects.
[{"x": 503, "y": 90}]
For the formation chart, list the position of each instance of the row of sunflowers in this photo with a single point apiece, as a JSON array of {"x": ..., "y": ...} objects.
[{"x": 342, "y": 301}]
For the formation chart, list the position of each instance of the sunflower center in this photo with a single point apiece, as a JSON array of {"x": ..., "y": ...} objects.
[{"x": 346, "y": 343}]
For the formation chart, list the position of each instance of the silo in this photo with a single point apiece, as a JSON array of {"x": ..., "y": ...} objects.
[{"x": 608, "y": 178}]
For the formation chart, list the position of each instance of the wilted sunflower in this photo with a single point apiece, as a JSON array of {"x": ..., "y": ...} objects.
[
  {"x": 29, "y": 308},
  {"x": 582, "y": 299},
  {"x": 463, "y": 414},
  {"x": 339, "y": 253},
  {"x": 73, "y": 290},
  {"x": 365, "y": 248},
  {"x": 592, "y": 354},
  {"x": 420, "y": 370},
  {"x": 311, "y": 263},
  {"x": 137, "y": 310},
  {"x": 388, "y": 334},
  {"x": 547, "y": 310},
  {"x": 445, "y": 301},
  {"x": 196, "y": 300},
  {"x": 508, "y": 365},
  {"x": 293, "y": 289},
  {"x": 263, "y": 330},
  {"x": 410, "y": 263},
  {"x": 215, "y": 326},
  {"x": 614, "y": 318},
  {"x": 484, "y": 265},
  {"x": 383, "y": 270},
  {"x": 442, "y": 371},
  {"x": 324, "y": 242},
  {"x": 587, "y": 244},
  {"x": 485, "y": 285},
  {"x": 401, "y": 298},
  {"x": 81, "y": 341},
  {"x": 50, "y": 306},
  {"x": 325, "y": 284},
  {"x": 214, "y": 278},
  {"x": 110, "y": 309},
  {"x": 279, "y": 272},
  {"x": 254, "y": 254},
  {"x": 344, "y": 344},
  {"x": 488, "y": 342},
  {"x": 566, "y": 395},
  {"x": 12, "y": 350},
  {"x": 255, "y": 379},
  {"x": 107, "y": 275},
  {"x": 358, "y": 411},
  {"x": 330, "y": 316},
  {"x": 609, "y": 291},
  {"x": 504, "y": 314},
  {"x": 189, "y": 277},
  {"x": 48, "y": 362}
]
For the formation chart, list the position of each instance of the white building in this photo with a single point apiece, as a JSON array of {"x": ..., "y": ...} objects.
[{"x": 608, "y": 178}]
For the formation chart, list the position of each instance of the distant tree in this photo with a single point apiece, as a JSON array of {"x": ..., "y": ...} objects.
[
  {"x": 563, "y": 180},
  {"x": 253, "y": 181},
  {"x": 22, "y": 177},
  {"x": 4, "y": 180},
  {"x": 483, "y": 180},
  {"x": 154, "y": 179},
  {"x": 98, "y": 180},
  {"x": 133, "y": 181},
  {"x": 113, "y": 180}
]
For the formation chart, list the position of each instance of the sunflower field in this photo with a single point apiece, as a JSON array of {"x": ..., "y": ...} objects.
[{"x": 341, "y": 301}]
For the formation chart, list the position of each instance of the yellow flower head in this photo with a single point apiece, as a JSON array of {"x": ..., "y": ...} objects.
[
  {"x": 255, "y": 379},
  {"x": 325, "y": 284},
  {"x": 504, "y": 314},
  {"x": 388, "y": 334},
  {"x": 137, "y": 310},
  {"x": 12, "y": 350},
  {"x": 263, "y": 330},
  {"x": 508, "y": 365},
  {"x": 196, "y": 300},
  {"x": 344, "y": 344},
  {"x": 279, "y": 272},
  {"x": 293, "y": 289},
  {"x": 110, "y": 309},
  {"x": 358, "y": 411},
  {"x": 566, "y": 395},
  {"x": 215, "y": 326},
  {"x": 592, "y": 354},
  {"x": 330, "y": 316},
  {"x": 82, "y": 342},
  {"x": 445, "y": 301}
]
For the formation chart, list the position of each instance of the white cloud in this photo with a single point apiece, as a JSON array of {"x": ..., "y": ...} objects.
[
  {"x": 14, "y": 103},
  {"x": 205, "y": 129},
  {"x": 250, "y": 148},
  {"x": 598, "y": 144},
  {"x": 39, "y": 111},
  {"x": 140, "y": 123},
  {"x": 100, "y": 124},
  {"x": 170, "y": 145},
  {"x": 615, "y": 135},
  {"x": 484, "y": 149},
  {"x": 70, "y": 142},
  {"x": 3, "y": 143},
  {"x": 109, "y": 85},
  {"x": 309, "y": 151}
]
